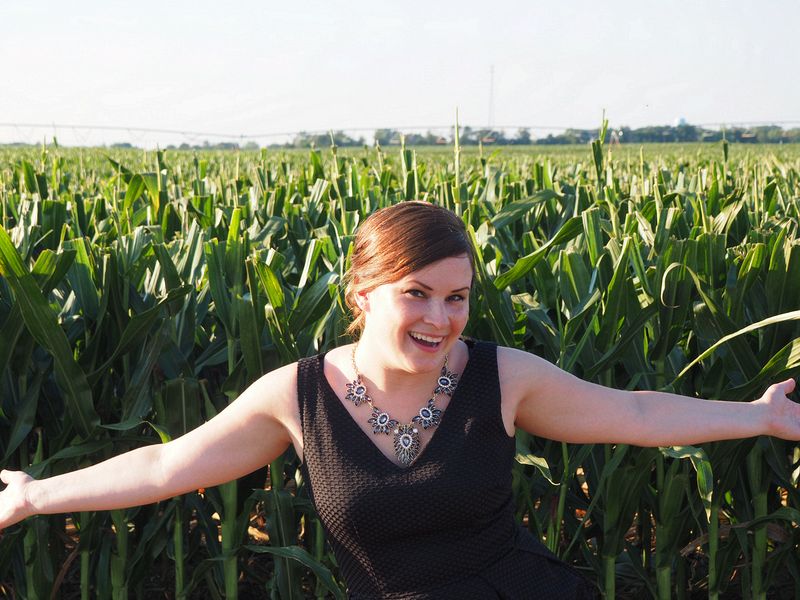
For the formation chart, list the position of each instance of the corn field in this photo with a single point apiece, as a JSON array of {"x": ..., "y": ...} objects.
[{"x": 141, "y": 292}]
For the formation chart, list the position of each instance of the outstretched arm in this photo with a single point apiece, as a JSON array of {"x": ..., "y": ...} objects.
[
  {"x": 549, "y": 402},
  {"x": 251, "y": 432}
]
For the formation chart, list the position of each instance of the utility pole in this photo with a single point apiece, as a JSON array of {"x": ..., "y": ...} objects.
[{"x": 491, "y": 97}]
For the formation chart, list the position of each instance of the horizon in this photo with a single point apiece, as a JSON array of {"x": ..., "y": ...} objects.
[
  {"x": 741, "y": 132},
  {"x": 265, "y": 68}
]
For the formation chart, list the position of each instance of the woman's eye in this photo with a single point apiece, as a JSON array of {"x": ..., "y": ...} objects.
[
  {"x": 416, "y": 293},
  {"x": 457, "y": 298}
]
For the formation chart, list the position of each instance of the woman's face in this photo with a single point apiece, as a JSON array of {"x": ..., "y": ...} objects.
[{"x": 414, "y": 322}]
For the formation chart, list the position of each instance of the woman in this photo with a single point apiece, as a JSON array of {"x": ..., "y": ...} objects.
[{"x": 406, "y": 436}]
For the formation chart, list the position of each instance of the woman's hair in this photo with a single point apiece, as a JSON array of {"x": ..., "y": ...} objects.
[{"x": 398, "y": 240}]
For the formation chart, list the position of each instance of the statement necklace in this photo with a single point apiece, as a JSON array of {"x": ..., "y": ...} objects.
[{"x": 406, "y": 437}]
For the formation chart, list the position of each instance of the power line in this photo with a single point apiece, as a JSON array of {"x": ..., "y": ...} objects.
[
  {"x": 186, "y": 132},
  {"x": 746, "y": 123},
  {"x": 253, "y": 136}
]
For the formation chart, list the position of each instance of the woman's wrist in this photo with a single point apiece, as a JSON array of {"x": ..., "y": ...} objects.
[
  {"x": 762, "y": 418},
  {"x": 33, "y": 500}
]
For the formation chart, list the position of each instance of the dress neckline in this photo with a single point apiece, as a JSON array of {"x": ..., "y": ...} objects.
[{"x": 333, "y": 397}]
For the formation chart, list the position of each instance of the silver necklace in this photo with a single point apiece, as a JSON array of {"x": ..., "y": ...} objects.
[{"x": 406, "y": 437}]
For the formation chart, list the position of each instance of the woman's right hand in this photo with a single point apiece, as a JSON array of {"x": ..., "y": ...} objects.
[{"x": 14, "y": 505}]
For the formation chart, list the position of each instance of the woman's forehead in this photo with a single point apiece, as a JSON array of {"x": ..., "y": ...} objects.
[{"x": 448, "y": 271}]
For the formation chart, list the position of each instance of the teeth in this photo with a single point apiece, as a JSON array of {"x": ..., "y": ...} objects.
[{"x": 426, "y": 338}]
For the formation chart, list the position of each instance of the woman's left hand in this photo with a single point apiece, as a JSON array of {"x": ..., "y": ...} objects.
[{"x": 783, "y": 415}]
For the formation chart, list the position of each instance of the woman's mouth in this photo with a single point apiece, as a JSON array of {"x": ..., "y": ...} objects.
[{"x": 426, "y": 341}]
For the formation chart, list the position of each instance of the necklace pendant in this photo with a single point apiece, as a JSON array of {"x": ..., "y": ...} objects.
[
  {"x": 406, "y": 444},
  {"x": 446, "y": 383},
  {"x": 381, "y": 421},
  {"x": 429, "y": 416},
  {"x": 357, "y": 392}
]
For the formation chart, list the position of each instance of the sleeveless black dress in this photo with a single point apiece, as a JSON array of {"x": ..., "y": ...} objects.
[{"x": 442, "y": 528}]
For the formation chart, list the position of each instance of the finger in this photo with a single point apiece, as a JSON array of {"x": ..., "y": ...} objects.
[{"x": 782, "y": 387}]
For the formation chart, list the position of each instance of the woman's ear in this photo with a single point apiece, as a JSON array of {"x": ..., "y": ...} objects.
[{"x": 362, "y": 299}]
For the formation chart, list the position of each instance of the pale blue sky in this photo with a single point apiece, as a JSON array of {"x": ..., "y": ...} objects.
[{"x": 259, "y": 67}]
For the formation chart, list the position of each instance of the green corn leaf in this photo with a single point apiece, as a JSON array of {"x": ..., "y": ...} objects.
[
  {"x": 514, "y": 211},
  {"x": 312, "y": 254},
  {"x": 76, "y": 450},
  {"x": 81, "y": 276},
  {"x": 568, "y": 231},
  {"x": 137, "y": 329},
  {"x": 495, "y": 304},
  {"x": 748, "y": 274},
  {"x": 182, "y": 402},
  {"x": 790, "y": 316},
  {"x": 9, "y": 333},
  {"x": 54, "y": 217},
  {"x": 784, "y": 363},
  {"x": 702, "y": 465},
  {"x": 120, "y": 168},
  {"x": 29, "y": 177},
  {"x": 303, "y": 557},
  {"x": 630, "y": 331},
  {"x": 136, "y": 402},
  {"x": 150, "y": 180},
  {"x": 170, "y": 273},
  {"x": 50, "y": 268},
  {"x": 135, "y": 189},
  {"x": 593, "y": 233},
  {"x": 250, "y": 338},
  {"x": 270, "y": 285},
  {"x": 215, "y": 261},
  {"x": 617, "y": 455},
  {"x": 26, "y": 413},
  {"x": 312, "y": 302},
  {"x": 43, "y": 325},
  {"x": 525, "y": 457},
  {"x": 742, "y": 355},
  {"x": 614, "y": 305}
]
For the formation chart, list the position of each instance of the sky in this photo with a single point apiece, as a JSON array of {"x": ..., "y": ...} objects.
[{"x": 250, "y": 68}]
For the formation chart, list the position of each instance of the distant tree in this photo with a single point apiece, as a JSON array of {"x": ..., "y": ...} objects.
[
  {"x": 387, "y": 137},
  {"x": 523, "y": 137},
  {"x": 467, "y": 137}
]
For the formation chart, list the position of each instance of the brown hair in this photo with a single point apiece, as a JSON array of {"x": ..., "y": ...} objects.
[{"x": 398, "y": 240}]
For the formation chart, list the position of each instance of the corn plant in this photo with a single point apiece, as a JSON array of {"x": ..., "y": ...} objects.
[{"x": 141, "y": 292}]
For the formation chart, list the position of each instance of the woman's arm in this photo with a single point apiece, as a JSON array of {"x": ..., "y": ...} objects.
[
  {"x": 251, "y": 432},
  {"x": 547, "y": 401}
]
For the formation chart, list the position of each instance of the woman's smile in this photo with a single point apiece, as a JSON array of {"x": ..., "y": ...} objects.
[{"x": 426, "y": 342}]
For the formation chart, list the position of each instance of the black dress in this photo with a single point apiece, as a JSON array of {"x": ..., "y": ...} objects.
[{"x": 442, "y": 528}]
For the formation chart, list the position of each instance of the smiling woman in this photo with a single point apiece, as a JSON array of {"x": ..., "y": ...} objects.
[
  {"x": 407, "y": 436},
  {"x": 396, "y": 242}
]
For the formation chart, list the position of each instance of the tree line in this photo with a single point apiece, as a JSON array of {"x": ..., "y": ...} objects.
[{"x": 469, "y": 136}]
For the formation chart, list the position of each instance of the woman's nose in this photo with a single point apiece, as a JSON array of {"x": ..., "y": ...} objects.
[{"x": 436, "y": 314}]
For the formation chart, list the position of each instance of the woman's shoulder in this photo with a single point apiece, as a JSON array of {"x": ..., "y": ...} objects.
[
  {"x": 277, "y": 388},
  {"x": 521, "y": 371},
  {"x": 337, "y": 359}
]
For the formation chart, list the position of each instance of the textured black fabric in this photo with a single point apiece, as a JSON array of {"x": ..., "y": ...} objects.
[{"x": 442, "y": 528}]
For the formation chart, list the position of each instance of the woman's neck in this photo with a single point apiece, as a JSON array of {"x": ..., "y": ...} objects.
[{"x": 386, "y": 375}]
